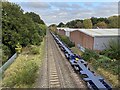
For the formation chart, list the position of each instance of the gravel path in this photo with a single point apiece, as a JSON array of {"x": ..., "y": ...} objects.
[{"x": 56, "y": 71}]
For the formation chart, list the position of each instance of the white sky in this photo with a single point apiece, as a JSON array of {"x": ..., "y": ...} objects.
[{"x": 56, "y": 11}]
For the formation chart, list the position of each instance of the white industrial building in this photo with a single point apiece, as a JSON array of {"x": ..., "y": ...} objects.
[{"x": 96, "y": 39}]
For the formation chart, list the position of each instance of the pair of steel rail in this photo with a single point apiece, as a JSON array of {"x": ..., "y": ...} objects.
[{"x": 93, "y": 81}]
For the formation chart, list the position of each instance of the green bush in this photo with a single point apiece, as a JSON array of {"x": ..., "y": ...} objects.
[
  {"x": 66, "y": 40},
  {"x": 106, "y": 63},
  {"x": 113, "y": 50},
  {"x": 23, "y": 75},
  {"x": 90, "y": 54},
  {"x": 24, "y": 71},
  {"x": 28, "y": 73},
  {"x": 34, "y": 49},
  {"x": 20, "y": 27},
  {"x": 43, "y": 28},
  {"x": 6, "y": 53},
  {"x": 103, "y": 59}
]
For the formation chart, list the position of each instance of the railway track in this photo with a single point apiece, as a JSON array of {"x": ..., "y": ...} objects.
[
  {"x": 53, "y": 76},
  {"x": 56, "y": 71},
  {"x": 92, "y": 80},
  {"x": 69, "y": 78}
]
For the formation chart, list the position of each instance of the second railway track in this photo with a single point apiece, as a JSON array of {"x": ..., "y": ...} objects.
[{"x": 53, "y": 80}]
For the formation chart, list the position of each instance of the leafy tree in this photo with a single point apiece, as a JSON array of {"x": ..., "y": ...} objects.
[
  {"x": 94, "y": 20},
  {"x": 18, "y": 27},
  {"x": 6, "y": 53},
  {"x": 71, "y": 24},
  {"x": 43, "y": 29},
  {"x": 61, "y": 24},
  {"x": 87, "y": 23},
  {"x": 75, "y": 24},
  {"x": 11, "y": 14},
  {"x": 101, "y": 25},
  {"x": 113, "y": 22},
  {"x": 79, "y": 24},
  {"x": 36, "y": 18},
  {"x": 103, "y": 20}
]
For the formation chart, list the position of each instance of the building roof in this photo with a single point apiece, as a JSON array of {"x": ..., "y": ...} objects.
[
  {"x": 100, "y": 32},
  {"x": 96, "y": 32},
  {"x": 67, "y": 29}
]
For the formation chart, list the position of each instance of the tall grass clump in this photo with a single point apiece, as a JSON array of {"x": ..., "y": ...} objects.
[
  {"x": 88, "y": 55},
  {"x": 113, "y": 50},
  {"x": 23, "y": 72},
  {"x": 106, "y": 62},
  {"x": 66, "y": 40},
  {"x": 34, "y": 49}
]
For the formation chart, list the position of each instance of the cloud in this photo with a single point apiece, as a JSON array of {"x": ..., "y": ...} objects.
[
  {"x": 39, "y": 5},
  {"x": 56, "y": 12},
  {"x": 35, "y": 5},
  {"x": 63, "y": 0},
  {"x": 106, "y": 9}
]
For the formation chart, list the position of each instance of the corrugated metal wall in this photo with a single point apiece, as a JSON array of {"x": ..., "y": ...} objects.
[{"x": 101, "y": 42}]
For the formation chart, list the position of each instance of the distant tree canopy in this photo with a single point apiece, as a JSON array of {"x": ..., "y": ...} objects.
[
  {"x": 79, "y": 24},
  {"x": 61, "y": 24},
  {"x": 75, "y": 24},
  {"x": 114, "y": 21},
  {"x": 87, "y": 23},
  {"x": 110, "y": 22},
  {"x": 101, "y": 24},
  {"x": 94, "y": 20},
  {"x": 18, "y": 27}
]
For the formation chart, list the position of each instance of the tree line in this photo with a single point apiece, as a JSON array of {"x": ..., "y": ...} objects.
[
  {"x": 19, "y": 27},
  {"x": 93, "y": 22}
]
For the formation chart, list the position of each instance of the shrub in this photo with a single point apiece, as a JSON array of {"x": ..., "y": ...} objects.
[
  {"x": 6, "y": 53},
  {"x": 89, "y": 54},
  {"x": 24, "y": 74},
  {"x": 34, "y": 49},
  {"x": 66, "y": 40},
  {"x": 103, "y": 59},
  {"x": 28, "y": 73},
  {"x": 113, "y": 50}
]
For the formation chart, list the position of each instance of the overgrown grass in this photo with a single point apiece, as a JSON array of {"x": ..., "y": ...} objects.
[
  {"x": 34, "y": 49},
  {"x": 88, "y": 55},
  {"x": 66, "y": 40},
  {"x": 23, "y": 72},
  {"x": 76, "y": 51},
  {"x": 104, "y": 65},
  {"x": 113, "y": 50},
  {"x": 113, "y": 79}
]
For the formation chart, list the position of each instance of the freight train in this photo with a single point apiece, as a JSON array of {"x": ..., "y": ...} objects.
[{"x": 94, "y": 82}]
